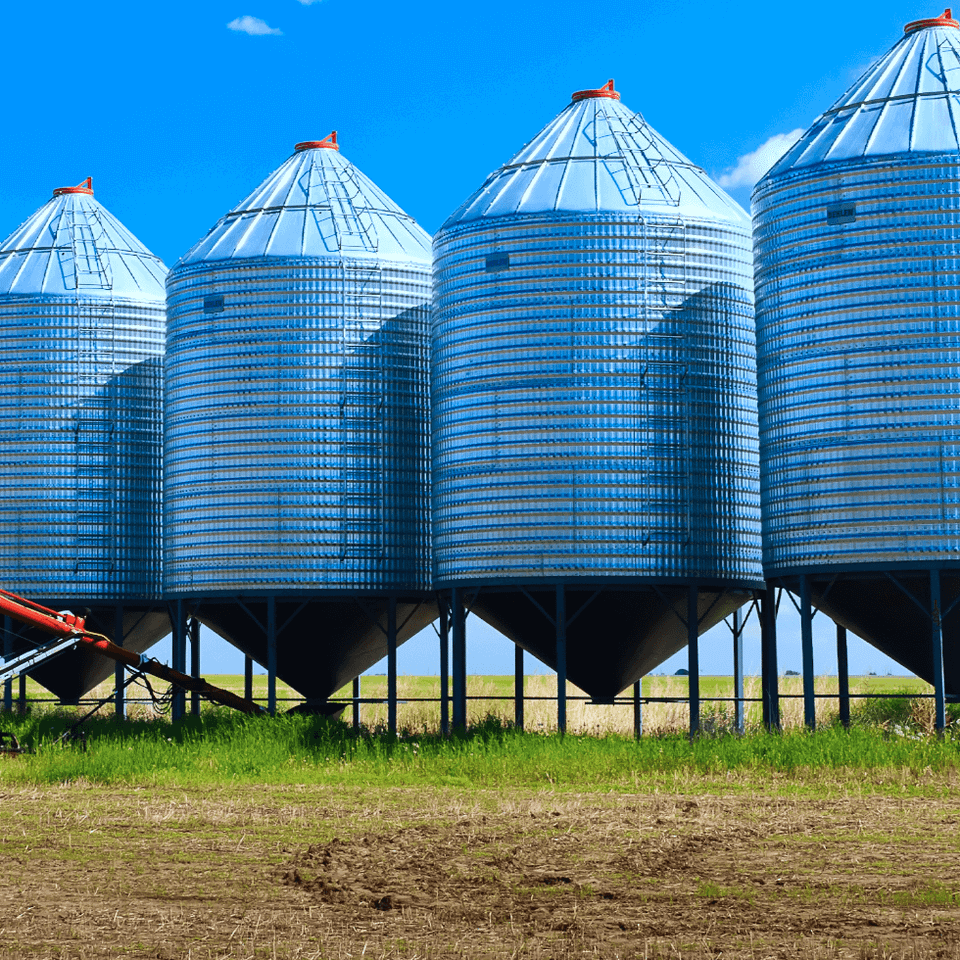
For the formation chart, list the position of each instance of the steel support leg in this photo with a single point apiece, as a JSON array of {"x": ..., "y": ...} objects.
[
  {"x": 119, "y": 673},
  {"x": 392, "y": 666},
  {"x": 444, "y": 667},
  {"x": 937, "y": 651},
  {"x": 459, "y": 660},
  {"x": 638, "y": 709},
  {"x": 738, "y": 671},
  {"x": 693, "y": 657},
  {"x": 195, "y": 664},
  {"x": 7, "y": 654},
  {"x": 178, "y": 704},
  {"x": 356, "y": 703},
  {"x": 272, "y": 655},
  {"x": 248, "y": 678},
  {"x": 768, "y": 659},
  {"x": 806, "y": 642},
  {"x": 561, "y": 660},
  {"x": 843, "y": 675},
  {"x": 23, "y": 694},
  {"x": 518, "y": 686}
]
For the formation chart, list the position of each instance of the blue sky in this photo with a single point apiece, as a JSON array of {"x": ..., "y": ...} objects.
[{"x": 179, "y": 109}]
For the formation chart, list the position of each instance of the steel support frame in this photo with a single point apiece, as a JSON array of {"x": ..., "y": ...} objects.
[
  {"x": 769, "y": 678},
  {"x": 458, "y": 616},
  {"x": 178, "y": 703},
  {"x": 7, "y": 655},
  {"x": 843, "y": 676},
  {"x": 806, "y": 644},
  {"x": 392, "y": 666},
  {"x": 738, "y": 711},
  {"x": 444, "y": 637},
  {"x": 120, "y": 687},
  {"x": 518, "y": 686},
  {"x": 194, "y": 631}
]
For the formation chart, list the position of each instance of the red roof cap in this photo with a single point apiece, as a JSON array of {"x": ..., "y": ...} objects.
[
  {"x": 605, "y": 91},
  {"x": 85, "y": 187},
  {"x": 945, "y": 21},
  {"x": 330, "y": 143}
]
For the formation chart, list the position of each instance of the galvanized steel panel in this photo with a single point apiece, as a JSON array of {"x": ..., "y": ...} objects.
[
  {"x": 593, "y": 369},
  {"x": 858, "y": 316},
  {"x": 908, "y": 101},
  {"x": 80, "y": 407},
  {"x": 297, "y": 444}
]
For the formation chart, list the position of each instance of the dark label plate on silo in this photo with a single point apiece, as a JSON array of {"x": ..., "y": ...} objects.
[
  {"x": 497, "y": 262},
  {"x": 213, "y": 303},
  {"x": 842, "y": 213}
]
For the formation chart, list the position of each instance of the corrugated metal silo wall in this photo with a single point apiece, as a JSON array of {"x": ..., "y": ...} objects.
[
  {"x": 858, "y": 315},
  {"x": 80, "y": 448},
  {"x": 593, "y": 390},
  {"x": 297, "y": 450}
]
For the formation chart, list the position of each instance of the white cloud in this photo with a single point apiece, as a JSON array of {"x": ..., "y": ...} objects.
[
  {"x": 307, "y": 3},
  {"x": 752, "y": 166},
  {"x": 254, "y": 26}
]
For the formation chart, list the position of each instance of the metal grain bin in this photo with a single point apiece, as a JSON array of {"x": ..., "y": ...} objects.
[
  {"x": 81, "y": 336},
  {"x": 594, "y": 394},
  {"x": 297, "y": 435},
  {"x": 857, "y": 233}
]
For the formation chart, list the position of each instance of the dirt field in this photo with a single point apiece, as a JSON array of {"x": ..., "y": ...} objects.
[{"x": 273, "y": 872}]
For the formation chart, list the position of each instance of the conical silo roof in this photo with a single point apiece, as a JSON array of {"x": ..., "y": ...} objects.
[
  {"x": 906, "y": 102},
  {"x": 72, "y": 246},
  {"x": 599, "y": 156},
  {"x": 316, "y": 204}
]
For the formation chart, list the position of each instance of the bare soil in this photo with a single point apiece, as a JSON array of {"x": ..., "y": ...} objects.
[{"x": 88, "y": 872}]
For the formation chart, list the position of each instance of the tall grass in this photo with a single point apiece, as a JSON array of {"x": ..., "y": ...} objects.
[{"x": 223, "y": 747}]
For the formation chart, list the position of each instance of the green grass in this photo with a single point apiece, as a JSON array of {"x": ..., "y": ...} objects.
[{"x": 223, "y": 747}]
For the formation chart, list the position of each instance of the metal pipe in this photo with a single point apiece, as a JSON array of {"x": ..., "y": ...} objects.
[
  {"x": 444, "y": 667},
  {"x": 518, "y": 686},
  {"x": 392, "y": 666},
  {"x": 738, "y": 719},
  {"x": 768, "y": 659},
  {"x": 806, "y": 643},
  {"x": 248, "y": 677},
  {"x": 936, "y": 644},
  {"x": 561, "y": 625},
  {"x": 119, "y": 696},
  {"x": 843, "y": 675},
  {"x": 693, "y": 657},
  {"x": 57, "y": 626},
  {"x": 272, "y": 655}
]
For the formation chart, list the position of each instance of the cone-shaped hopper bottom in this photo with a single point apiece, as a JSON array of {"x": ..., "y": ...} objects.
[
  {"x": 321, "y": 644},
  {"x": 878, "y": 610},
  {"x": 72, "y": 675},
  {"x": 616, "y": 638}
]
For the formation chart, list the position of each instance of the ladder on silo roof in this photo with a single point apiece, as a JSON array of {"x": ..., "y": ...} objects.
[
  {"x": 351, "y": 224},
  {"x": 82, "y": 261},
  {"x": 639, "y": 171}
]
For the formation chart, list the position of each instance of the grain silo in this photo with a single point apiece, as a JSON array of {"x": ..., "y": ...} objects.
[
  {"x": 296, "y": 491},
  {"x": 595, "y": 437},
  {"x": 81, "y": 340},
  {"x": 857, "y": 234}
]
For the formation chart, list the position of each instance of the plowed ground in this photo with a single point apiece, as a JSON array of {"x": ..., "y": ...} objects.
[{"x": 90, "y": 872}]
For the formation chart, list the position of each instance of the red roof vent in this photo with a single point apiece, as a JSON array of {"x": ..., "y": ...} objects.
[
  {"x": 945, "y": 21},
  {"x": 329, "y": 143},
  {"x": 85, "y": 187},
  {"x": 605, "y": 91}
]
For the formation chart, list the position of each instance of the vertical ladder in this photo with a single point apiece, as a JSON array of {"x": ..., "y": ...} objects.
[
  {"x": 95, "y": 439},
  {"x": 362, "y": 413}
]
